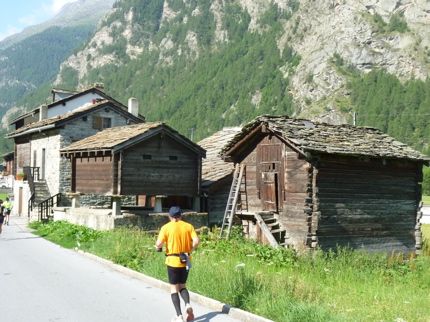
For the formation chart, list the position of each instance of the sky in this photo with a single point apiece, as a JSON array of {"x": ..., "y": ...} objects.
[{"x": 15, "y": 15}]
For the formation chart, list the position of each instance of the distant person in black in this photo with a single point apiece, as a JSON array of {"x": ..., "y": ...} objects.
[{"x": 1, "y": 215}]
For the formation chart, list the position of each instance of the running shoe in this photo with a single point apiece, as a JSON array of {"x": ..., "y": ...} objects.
[{"x": 190, "y": 313}]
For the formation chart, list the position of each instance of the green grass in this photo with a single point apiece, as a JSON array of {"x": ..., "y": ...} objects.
[
  {"x": 426, "y": 239},
  {"x": 426, "y": 200},
  {"x": 278, "y": 284}
]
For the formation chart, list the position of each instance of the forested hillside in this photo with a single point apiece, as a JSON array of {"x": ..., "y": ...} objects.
[{"x": 36, "y": 60}]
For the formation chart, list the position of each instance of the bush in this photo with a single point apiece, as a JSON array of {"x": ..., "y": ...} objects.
[{"x": 426, "y": 181}]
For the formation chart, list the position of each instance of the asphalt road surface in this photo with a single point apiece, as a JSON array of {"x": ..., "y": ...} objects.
[{"x": 41, "y": 282}]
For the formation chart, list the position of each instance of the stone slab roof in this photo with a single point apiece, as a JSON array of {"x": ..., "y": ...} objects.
[
  {"x": 214, "y": 167},
  {"x": 111, "y": 137},
  {"x": 59, "y": 119},
  {"x": 309, "y": 136},
  {"x": 121, "y": 136}
]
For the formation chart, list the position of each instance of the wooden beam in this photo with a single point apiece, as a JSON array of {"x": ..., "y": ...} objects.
[
  {"x": 120, "y": 162},
  {"x": 266, "y": 231}
]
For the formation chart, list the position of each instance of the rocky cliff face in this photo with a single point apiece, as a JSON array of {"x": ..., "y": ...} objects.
[
  {"x": 322, "y": 30},
  {"x": 364, "y": 34}
]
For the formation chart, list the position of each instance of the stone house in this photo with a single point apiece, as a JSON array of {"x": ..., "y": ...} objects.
[
  {"x": 40, "y": 134},
  {"x": 309, "y": 184}
]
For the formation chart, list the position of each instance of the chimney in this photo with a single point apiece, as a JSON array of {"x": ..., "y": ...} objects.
[
  {"x": 43, "y": 112},
  {"x": 133, "y": 106},
  {"x": 99, "y": 86}
]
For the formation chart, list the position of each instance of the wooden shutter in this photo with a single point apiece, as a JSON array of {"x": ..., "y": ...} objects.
[{"x": 97, "y": 123}]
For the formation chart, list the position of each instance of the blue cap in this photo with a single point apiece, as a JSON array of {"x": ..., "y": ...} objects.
[{"x": 175, "y": 211}]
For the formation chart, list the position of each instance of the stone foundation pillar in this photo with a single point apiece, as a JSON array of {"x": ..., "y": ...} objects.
[
  {"x": 76, "y": 199},
  {"x": 159, "y": 203},
  {"x": 116, "y": 205}
]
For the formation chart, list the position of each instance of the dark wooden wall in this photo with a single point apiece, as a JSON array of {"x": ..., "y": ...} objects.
[
  {"x": 217, "y": 200},
  {"x": 297, "y": 181},
  {"x": 159, "y": 175},
  {"x": 23, "y": 156},
  {"x": 93, "y": 175},
  {"x": 293, "y": 180},
  {"x": 367, "y": 204},
  {"x": 251, "y": 194}
]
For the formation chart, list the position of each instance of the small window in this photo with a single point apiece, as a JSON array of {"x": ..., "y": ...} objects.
[
  {"x": 147, "y": 157},
  {"x": 173, "y": 158},
  {"x": 84, "y": 118},
  {"x": 101, "y": 123},
  {"x": 107, "y": 122}
]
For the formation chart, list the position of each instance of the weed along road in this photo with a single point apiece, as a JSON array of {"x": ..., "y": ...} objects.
[{"x": 40, "y": 282}]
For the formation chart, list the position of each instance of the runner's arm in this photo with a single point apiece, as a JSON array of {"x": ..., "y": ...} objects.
[
  {"x": 159, "y": 243},
  {"x": 196, "y": 242},
  {"x": 161, "y": 239}
]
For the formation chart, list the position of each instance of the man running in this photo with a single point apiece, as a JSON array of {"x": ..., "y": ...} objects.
[{"x": 180, "y": 239}]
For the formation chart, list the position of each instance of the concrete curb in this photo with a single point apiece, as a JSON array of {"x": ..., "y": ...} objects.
[{"x": 200, "y": 299}]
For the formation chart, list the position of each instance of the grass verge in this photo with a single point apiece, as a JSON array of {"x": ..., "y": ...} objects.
[
  {"x": 426, "y": 200},
  {"x": 343, "y": 285},
  {"x": 3, "y": 196}
]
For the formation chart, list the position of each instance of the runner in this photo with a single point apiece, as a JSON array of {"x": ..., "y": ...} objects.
[
  {"x": 7, "y": 205},
  {"x": 180, "y": 239}
]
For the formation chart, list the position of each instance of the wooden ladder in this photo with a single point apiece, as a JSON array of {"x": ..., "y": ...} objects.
[{"x": 230, "y": 209}]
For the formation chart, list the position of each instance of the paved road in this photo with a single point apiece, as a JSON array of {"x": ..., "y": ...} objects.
[
  {"x": 41, "y": 282},
  {"x": 426, "y": 215}
]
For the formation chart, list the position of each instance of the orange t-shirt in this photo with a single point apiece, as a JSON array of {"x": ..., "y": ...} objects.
[{"x": 178, "y": 238}]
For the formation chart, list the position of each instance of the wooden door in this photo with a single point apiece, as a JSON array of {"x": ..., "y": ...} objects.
[
  {"x": 269, "y": 191},
  {"x": 270, "y": 168}
]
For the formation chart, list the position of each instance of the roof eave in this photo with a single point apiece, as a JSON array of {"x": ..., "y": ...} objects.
[{"x": 32, "y": 130}]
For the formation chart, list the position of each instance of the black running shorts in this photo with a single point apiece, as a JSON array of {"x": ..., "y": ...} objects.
[{"x": 177, "y": 275}]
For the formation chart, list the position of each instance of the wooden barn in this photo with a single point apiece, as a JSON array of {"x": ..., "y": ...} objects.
[
  {"x": 144, "y": 160},
  {"x": 309, "y": 185},
  {"x": 216, "y": 174}
]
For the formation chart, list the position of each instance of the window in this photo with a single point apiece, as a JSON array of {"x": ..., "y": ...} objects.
[
  {"x": 173, "y": 158},
  {"x": 147, "y": 157},
  {"x": 101, "y": 123}
]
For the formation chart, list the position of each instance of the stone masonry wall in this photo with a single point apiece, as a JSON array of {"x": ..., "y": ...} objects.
[
  {"x": 93, "y": 200},
  {"x": 102, "y": 219},
  {"x": 50, "y": 141},
  {"x": 78, "y": 130}
]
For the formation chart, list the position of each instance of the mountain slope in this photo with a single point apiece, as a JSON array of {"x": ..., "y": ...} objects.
[
  {"x": 205, "y": 64},
  {"x": 35, "y": 60},
  {"x": 81, "y": 12},
  {"x": 32, "y": 58},
  {"x": 202, "y": 65}
]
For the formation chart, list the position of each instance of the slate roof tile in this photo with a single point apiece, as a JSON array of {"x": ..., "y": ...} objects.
[
  {"x": 309, "y": 136},
  {"x": 214, "y": 168}
]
